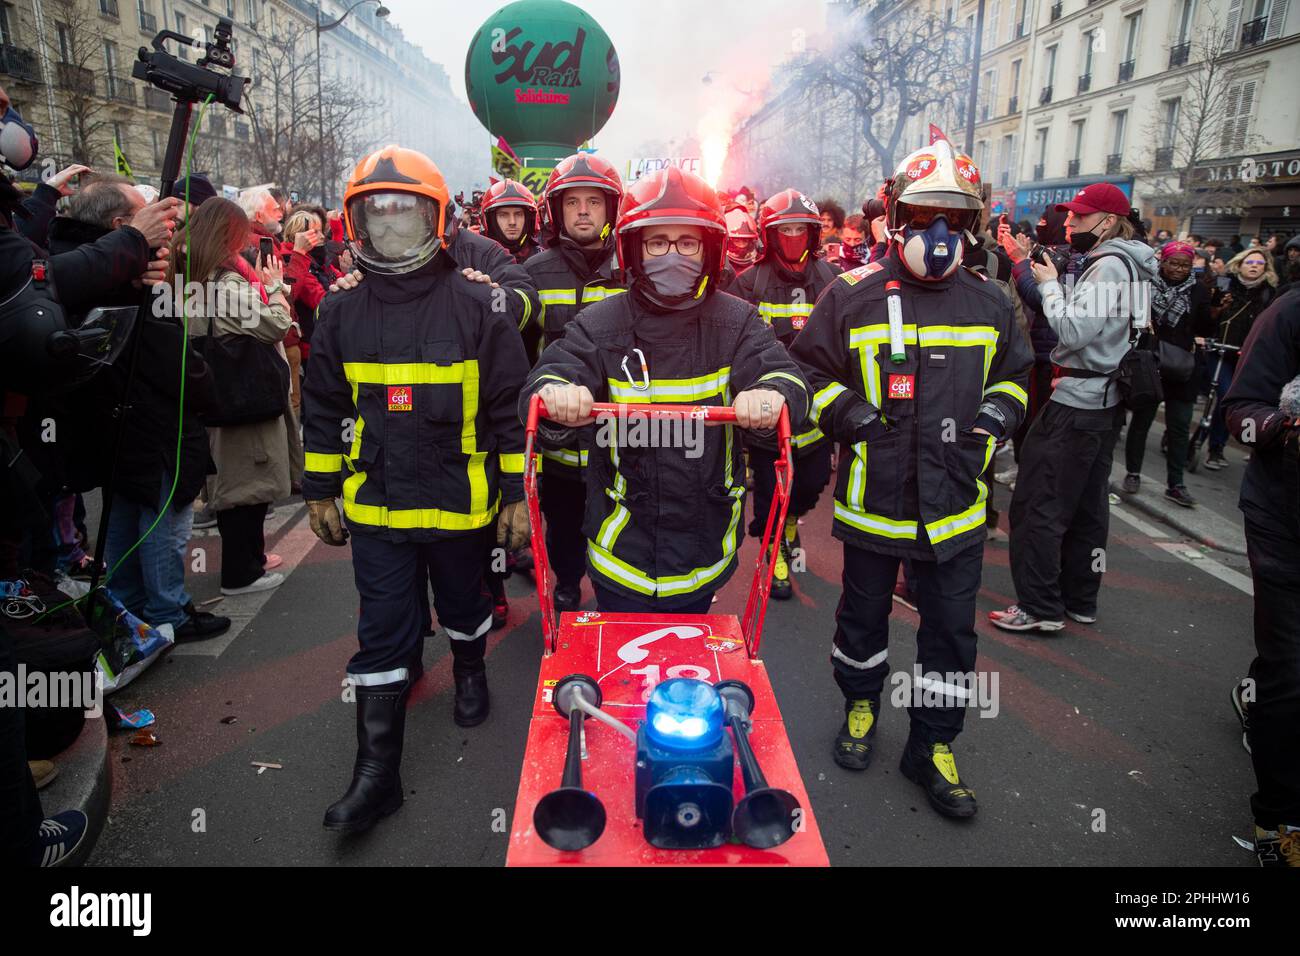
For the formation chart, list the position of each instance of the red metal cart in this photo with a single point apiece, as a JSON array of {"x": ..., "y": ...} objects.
[{"x": 627, "y": 655}]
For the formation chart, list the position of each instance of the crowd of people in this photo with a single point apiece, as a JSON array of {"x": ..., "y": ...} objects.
[{"x": 384, "y": 355}]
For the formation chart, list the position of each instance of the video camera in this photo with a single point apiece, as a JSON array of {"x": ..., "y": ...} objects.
[
  {"x": 475, "y": 205},
  {"x": 193, "y": 83}
]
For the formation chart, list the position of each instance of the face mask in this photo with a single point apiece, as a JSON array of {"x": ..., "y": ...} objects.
[
  {"x": 673, "y": 275},
  {"x": 18, "y": 143},
  {"x": 793, "y": 249},
  {"x": 931, "y": 253},
  {"x": 1083, "y": 241}
]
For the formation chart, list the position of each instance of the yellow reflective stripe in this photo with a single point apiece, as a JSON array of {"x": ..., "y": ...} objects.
[
  {"x": 811, "y": 436},
  {"x": 875, "y": 524},
  {"x": 381, "y": 516},
  {"x": 957, "y": 335},
  {"x": 551, "y": 376},
  {"x": 325, "y": 464},
  {"x": 407, "y": 373},
  {"x": 825, "y": 396},
  {"x": 477, "y": 465},
  {"x": 973, "y": 517},
  {"x": 857, "y": 475},
  {"x": 620, "y": 571},
  {"x": 566, "y": 457},
  {"x": 528, "y": 309},
  {"x": 600, "y": 293},
  {"x": 558, "y": 296},
  {"x": 1009, "y": 388},
  {"x": 785, "y": 375},
  {"x": 785, "y": 310},
  {"x": 512, "y": 464},
  {"x": 681, "y": 390}
]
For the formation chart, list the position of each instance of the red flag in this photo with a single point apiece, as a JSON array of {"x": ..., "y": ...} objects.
[{"x": 936, "y": 134}]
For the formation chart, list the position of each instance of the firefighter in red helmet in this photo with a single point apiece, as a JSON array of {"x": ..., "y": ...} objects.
[
  {"x": 509, "y": 216},
  {"x": 663, "y": 520},
  {"x": 918, "y": 369},
  {"x": 576, "y": 269},
  {"x": 743, "y": 244},
  {"x": 784, "y": 284}
]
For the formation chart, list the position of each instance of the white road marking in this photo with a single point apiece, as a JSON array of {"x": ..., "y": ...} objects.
[
  {"x": 1191, "y": 555},
  {"x": 1150, "y": 530},
  {"x": 241, "y": 609}
]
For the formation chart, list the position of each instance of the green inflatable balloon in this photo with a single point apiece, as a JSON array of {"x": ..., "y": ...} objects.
[{"x": 543, "y": 75}]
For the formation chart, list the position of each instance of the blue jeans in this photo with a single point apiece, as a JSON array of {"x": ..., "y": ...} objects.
[
  {"x": 151, "y": 582},
  {"x": 1218, "y": 423}
]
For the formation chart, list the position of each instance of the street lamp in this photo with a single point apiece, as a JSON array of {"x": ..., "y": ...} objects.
[{"x": 320, "y": 95}]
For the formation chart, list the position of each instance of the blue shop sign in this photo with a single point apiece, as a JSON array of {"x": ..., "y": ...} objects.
[{"x": 1030, "y": 200}]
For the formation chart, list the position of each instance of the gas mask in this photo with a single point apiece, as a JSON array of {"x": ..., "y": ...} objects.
[
  {"x": 931, "y": 253},
  {"x": 18, "y": 143}
]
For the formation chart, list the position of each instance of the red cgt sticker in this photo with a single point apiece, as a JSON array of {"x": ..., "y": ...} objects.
[
  {"x": 901, "y": 386},
  {"x": 400, "y": 398}
]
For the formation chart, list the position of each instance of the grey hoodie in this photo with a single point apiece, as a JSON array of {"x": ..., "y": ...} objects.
[{"x": 1091, "y": 319}]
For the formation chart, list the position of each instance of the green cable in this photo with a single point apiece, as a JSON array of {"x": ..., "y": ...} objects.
[{"x": 180, "y": 416}]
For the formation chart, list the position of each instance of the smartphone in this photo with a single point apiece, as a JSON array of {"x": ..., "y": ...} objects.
[
  {"x": 266, "y": 246},
  {"x": 1224, "y": 283}
]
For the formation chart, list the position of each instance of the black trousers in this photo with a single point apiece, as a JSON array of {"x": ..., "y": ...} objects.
[
  {"x": 393, "y": 579},
  {"x": 1040, "y": 393},
  {"x": 243, "y": 544},
  {"x": 945, "y": 642},
  {"x": 1060, "y": 511},
  {"x": 20, "y": 807},
  {"x": 812, "y": 472},
  {"x": 564, "y": 503},
  {"x": 608, "y": 600},
  {"x": 1274, "y": 732}
]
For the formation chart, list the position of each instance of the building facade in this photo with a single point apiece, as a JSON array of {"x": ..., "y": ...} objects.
[{"x": 66, "y": 65}]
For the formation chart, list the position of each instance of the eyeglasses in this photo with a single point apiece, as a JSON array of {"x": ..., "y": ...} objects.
[{"x": 659, "y": 246}]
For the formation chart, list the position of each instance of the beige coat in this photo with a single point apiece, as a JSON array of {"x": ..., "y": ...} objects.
[{"x": 252, "y": 460}]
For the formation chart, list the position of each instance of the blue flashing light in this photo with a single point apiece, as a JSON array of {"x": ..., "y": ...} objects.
[{"x": 684, "y": 714}]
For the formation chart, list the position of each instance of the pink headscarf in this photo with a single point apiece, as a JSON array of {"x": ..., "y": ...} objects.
[{"x": 1177, "y": 248}]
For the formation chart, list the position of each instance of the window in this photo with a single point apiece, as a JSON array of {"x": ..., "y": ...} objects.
[
  {"x": 1049, "y": 68},
  {"x": 982, "y": 154},
  {"x": 1016, "y": 26},
  {"x": 1004, "y": 160},
  {"x": 1185, "y": 11},
  {"x": 156, "y": 142},
  {"x": 1240, "y": 103},
  {"x": 988, "y": 94},
  {"x": 181, "y": 29},
  {"x": 1276, "y": 19},
  {"x": 110, "y": 65},
  {"x": 991, "y": 15},
  {"x": 1078, "y": 138},
  {"x": 252, "y": 11},
  {"x": 1089, "y": 38},
  {"x": 1119, "y": 122},
  {"x": 1015, "y": 78},
  {"x": 1169, "y": 132},
  {"x": 1042, "y": 145},
  {"x": 1133, "y": 23},
  {"x": 6, "y": 31},
  {"x": 65, "y": 42},
  {"x": 970, "y": 36}
]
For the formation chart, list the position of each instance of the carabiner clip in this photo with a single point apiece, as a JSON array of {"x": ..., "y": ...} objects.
[{"x": 644, "y": 385}]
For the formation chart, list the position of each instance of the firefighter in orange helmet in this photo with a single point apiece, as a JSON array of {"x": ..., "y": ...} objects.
[{"x": 409, "y": 418}]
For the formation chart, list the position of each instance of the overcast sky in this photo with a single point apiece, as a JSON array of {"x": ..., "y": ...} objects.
[{"x": 664, "y": 48}]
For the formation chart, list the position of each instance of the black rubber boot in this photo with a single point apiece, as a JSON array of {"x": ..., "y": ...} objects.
[
  {"x": 376, "y": 788},
  {"x": 853, "y": 743},
  {"x": 469, "y": 674},
  {"x": 931, "y": 766}
]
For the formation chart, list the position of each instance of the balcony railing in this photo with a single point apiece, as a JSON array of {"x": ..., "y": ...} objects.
[
  {"x": 108, "y": 8},
  {"x": 1178, "y": 54},
  {"x": 148, "y": 22},
  {"x": 19, "y": 63},
  {"x": 1252, "y": 33},
  {"x": 1085, "y": 82},
  {"x": 1165, "y": 157},
  {"x": 1072, "y": 168},
  {"x": 1038, "y": 172},
  {"x": 120, "y": 89},
  {"x": 1112, "y": 163},
  {"x": 156, "y": 99},
  {"x": 1056, "y": 12},
  {"x": 1045, "y": 97},
  {"x": 76, "y": 79},
  {"x": 1126, "y": 70},
  {"x": 1013, "y": 106}
]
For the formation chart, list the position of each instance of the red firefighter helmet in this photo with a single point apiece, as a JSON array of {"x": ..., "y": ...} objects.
[
  {"x": 501, "y": 195},
  {"x": 671, "y": 197},
  {"x": 790, "y": 206},
  {"x": 743, "y": 242},
  {"x": 580, "y": 169}
]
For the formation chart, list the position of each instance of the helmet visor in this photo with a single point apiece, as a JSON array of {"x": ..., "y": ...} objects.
[
  {"x": 920, "y": 217},
  {"x": 395, "y": 232}
]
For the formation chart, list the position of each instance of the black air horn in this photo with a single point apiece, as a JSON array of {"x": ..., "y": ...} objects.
[
  {"x": 766, "y": 816},
  {"x": 571, "y": 818}
]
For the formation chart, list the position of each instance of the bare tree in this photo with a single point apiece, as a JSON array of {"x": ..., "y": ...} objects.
[
  {"x": 1208, "y": 121},
  {"x": 890, "y": 69},
  {"x": 285, "y": 146},
  {"x": 81, "y": 73}
]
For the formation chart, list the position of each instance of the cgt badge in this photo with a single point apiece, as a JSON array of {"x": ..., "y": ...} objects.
[{"x": 400, "y": 398}]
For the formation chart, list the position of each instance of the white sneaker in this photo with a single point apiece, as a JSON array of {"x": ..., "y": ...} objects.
[{"x": 266, "y": 582}]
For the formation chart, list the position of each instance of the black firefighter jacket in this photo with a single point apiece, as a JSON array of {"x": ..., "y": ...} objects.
[
  {"x": 664, "y": 522},
  {"x": 409, "y": 410},
  {"x": 909, "y": 482}
]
